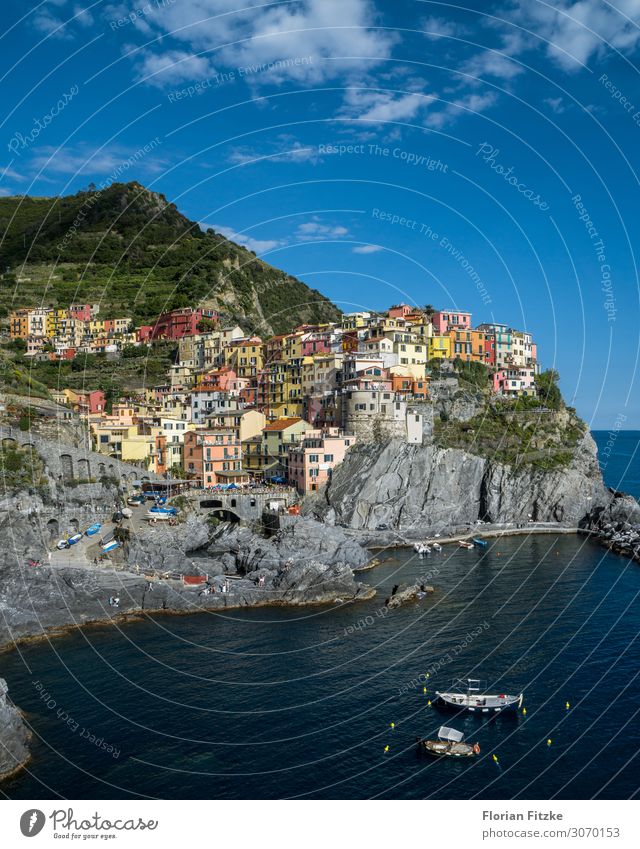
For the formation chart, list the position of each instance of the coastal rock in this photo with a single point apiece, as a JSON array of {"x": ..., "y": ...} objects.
[
  {"x": 167, "y": 547},
  {"x": 298, "y": 539},
  {"x": 403, "y": 595},
  {"x": 420, "y": 488},
  {"x": 14, "y": 735}
]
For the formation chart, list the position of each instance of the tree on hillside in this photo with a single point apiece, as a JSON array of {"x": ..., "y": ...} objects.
[
  {"x": 548, "y": 389},
  {"x": 206, "y": 325}
]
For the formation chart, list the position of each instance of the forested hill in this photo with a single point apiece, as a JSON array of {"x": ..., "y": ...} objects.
[{"x": 134, "y": 253}]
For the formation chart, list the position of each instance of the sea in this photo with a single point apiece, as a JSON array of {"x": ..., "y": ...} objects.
[{"x": 328, "y": 702}]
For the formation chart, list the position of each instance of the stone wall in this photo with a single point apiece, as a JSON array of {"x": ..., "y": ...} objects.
[{"x": 66, "y": 463}]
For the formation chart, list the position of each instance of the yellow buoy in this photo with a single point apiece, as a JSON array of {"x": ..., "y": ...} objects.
[
  {"x": 567, "y": 705},
  {"x": 386, "y": 749},
  {"x": 429, "y": 703},
  {"x": 495, "y": 758},
  {"x": 524, "y": 711},
  {"x": 424, "y": 690},
  {"x": 549, "y": 741}
]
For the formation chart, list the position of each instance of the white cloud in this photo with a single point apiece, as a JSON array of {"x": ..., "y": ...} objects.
[
  {"x": 333, "y": 37},
  {"x": 172, "y": 67},
  {"x": 286, "y": 149},
  {"x": 367, "y": 249},
  {"x": 475, "y": 103},
  {"x": 492, "y": 64},
  {"x": 48, "y": 24},
  {"x": 83, "y": 16},
  {"x": 576, "y": 30},
  {"x": 434, "y": 27},
  {"x": 556, "y": 104},
  {"x": 5, "y": 192},
  {"x": 258, "y": 246},
  {"x": 125, "y": 162},
  {"x": 11, "y": 174},
  {"x": 382, "y": 107},
  {"x": 314, "y": 230}
]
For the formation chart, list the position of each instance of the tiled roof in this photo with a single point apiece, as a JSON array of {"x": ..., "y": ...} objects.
[{"x": 282, "y": 424}]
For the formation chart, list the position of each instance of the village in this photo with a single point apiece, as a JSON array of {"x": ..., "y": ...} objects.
[{"x": 237, "y": 409}]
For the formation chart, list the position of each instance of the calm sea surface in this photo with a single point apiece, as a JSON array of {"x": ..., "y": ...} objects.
[{"x": 274, "y": 703}]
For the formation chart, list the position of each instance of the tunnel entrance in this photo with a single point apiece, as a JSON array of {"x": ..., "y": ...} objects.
[{"x": 225, "y": 515}]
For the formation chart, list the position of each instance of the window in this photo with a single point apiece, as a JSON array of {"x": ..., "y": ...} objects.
[{"x": 328, "y": 458}]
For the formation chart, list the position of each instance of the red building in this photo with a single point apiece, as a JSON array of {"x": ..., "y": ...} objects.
[
  {"x": 81, "y": 312},
  {"x": 143, "y": 333},
  {"x": 178, "y": 323}
]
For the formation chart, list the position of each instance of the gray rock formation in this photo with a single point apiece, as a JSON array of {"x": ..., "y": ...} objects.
[
  {"x": 403, "y": 595},
  {"x": 167, "y": 548},
  {"x": 14, "y": 735},
  {"x": 425, "y": 488},
  {"x": 298, "y": 539}
]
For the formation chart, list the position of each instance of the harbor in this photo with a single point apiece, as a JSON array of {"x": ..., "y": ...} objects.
[{"x": 222, "y": 691}]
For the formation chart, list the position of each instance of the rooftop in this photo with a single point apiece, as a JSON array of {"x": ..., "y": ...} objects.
[{"x": 283, "y": 424}]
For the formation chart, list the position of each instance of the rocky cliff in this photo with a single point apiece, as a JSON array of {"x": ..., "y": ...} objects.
[
  {"x": 424, "y": 488},
  {"x": 14, "y": 735}
]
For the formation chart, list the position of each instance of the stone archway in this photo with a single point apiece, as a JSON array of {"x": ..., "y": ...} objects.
[
  {"x": 84, "y": 472},
  {"x": 53, "y": 528},
  {"x": 66, "y": 464}
]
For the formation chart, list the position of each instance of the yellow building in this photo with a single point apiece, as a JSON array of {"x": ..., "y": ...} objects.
[
  {"x": 245, "y": 423},
  {"x": 439, "y": 347},
  {"x": 54, "y": 321},
  {"x": 244, "y": 356}
]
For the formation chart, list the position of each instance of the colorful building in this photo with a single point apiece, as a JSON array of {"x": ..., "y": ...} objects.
[
  {"x": 446, "y": 321},
  {"x": 214, "y": 456},
  {"x": 179, "y": 323},
  {"x": 312, "y": 461}
]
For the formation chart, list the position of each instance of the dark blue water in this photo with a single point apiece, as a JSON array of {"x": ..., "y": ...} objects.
[
  {"x": 619, "y": 455},
  {"x": 298, "y": 703}
]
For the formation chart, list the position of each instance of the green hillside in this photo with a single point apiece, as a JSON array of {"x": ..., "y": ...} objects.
[{"x": 132, "y": 252}]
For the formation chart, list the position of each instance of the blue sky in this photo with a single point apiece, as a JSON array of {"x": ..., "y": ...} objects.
[{"x": 483, "y": 158}]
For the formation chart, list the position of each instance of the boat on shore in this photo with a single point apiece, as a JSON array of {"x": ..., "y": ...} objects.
[
  {"x": 471, "y": 695},
  {"x": 422, "y": 548},
  {"x": 463, "y": 543},
  {"x": 450, "y": 744},
  {"x": 436, "y": 546}
]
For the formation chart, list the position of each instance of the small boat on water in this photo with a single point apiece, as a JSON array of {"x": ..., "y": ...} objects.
[
  {"x": 471, "y": 695},
  {"x": 436, "y": 546},
  {"x": 422, "y": 548},
  {"x": 463, "y": 543},
  {"x": 481, "y": 543},
  {"x": 450, "y": 743}
]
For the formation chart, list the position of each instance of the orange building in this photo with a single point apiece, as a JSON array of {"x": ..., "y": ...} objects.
[{"x": 213, "y": 456}]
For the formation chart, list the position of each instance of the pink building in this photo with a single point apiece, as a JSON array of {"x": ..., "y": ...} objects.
[
  {"x": 400, "y": 311},
  {"x": 81, "y": 312},
  {"x": 445, "y": 322},
  {"x": 515, "y": 380},
  {"x": 316, "y": 343},
  {"x": 311, "y": 463}
]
